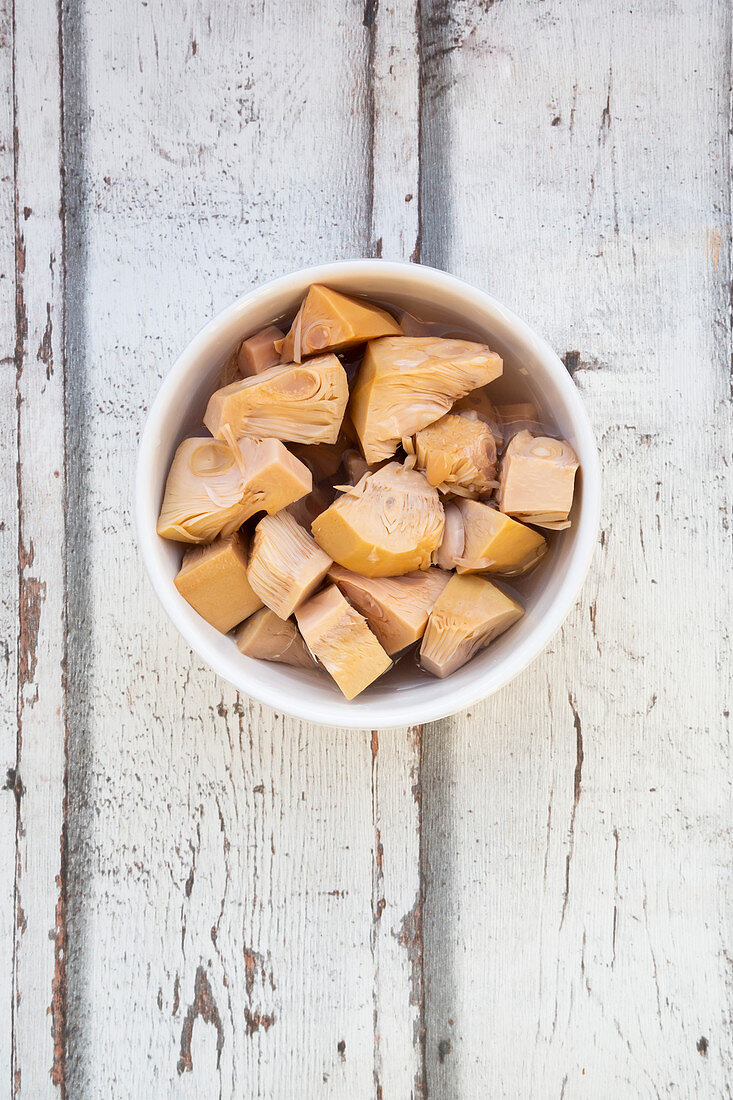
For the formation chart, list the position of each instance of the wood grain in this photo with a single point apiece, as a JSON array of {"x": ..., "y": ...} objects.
[
  {"x": 8, "y": 555},
  {"x": 530, "y": 899},
  {"x": 577, "y": 826},
  {"x": 244, "y": 888},
  {"x": 37, "y": 775}
]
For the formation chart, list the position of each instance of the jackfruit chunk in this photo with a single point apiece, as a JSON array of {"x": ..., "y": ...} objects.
[
  {"x": 458, "y": 454},
  {"x": 411, "y": 325},
  {"x": 479, "y": 403},
  {"x": 494, "y": 543},
  {"x": 520, "y": 411},
  {"x": 301, "y": 403},
  {"x": 355, "y": 466},
  {"x": 396, "y": 608},
  {"x": 450, "y": 551},
  {"x": 388, "y": 524},
  {"x": 285, "y": 565},
  {"x": 213, "y": 488},
  {"x": 258, "y": 352},
  {"x": 406, "y": 382},
  {"x": 268, "y": 637},
  {"x": 341, "y": 640},
  {"x": 329, "y": 320},
  {"x": 324, "y": 459},
  {"x": 305, "y": 510},
  {"x": 469, "y": 613},
  {"x": 213, "y": 579},
  {"x": 536, "y": 480}
]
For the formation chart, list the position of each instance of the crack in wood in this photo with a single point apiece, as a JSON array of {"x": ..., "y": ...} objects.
[{"x": 577, "y": 779}]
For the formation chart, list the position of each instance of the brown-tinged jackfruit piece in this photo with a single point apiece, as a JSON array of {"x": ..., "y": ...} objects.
[
  {"x": 355, "y": 466},
  {"x": 388, "y": 524},
  {"x": 396, "y": 608},
  {"x": 411, "y": 325},
  {"x": 518, "y": 412},
  {"x": 269, "y": 638},
  {"x": 494, "y": 543},
  {"x": 450, "y": 551},
  {"x": 458, "y": 455},
  {"x": 406, "y": 382},
  {"x": 479, "y": 402},
  {"x": 302, "y": 403},
  {"x": 213, "y": 579},
  {"x": 324, "y": 459},
  {"x": 258, "y": 352},
  {"x": 469, "y": 613},
  {"x": 305, "y": 510},
  {"x": 536, "y": 480},
  {"x": 285, "y": 564},
  {"x": 341, "y": 640},
  {"x": 212, "y": 487},
  {"x": 328, "y": 320}
]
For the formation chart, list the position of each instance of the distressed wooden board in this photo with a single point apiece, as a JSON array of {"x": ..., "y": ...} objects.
[
  {"x": 577, "y": 827},
  {"x": 244, "y": 898},
  {"x": 8, "y": 554},
  {"x": 246, "y": 893},
  {"x": 33, "y": 1014}
]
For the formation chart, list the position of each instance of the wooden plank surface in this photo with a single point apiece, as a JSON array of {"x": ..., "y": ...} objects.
[
  {"x": 529, "y": 899},
  {"x": 578, "y": 825},
  {"x": 244, "y": 885},
  {"x": 35, "y": 773},
  {"x": 8, "y": 554}
]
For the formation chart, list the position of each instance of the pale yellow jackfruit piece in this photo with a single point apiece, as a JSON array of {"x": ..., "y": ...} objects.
[
  {"x": 479, "y": 402},
  {"x": 536, "y": 480},
  {"x": 269, "y": 638},
  {"x": 450, "y": 551},
  {"x": 396, "y": 608},
  {"x": 341, "y": 640},
  {"x": 258, "y": 353},
  {"x": 302, "y": 403},
  {"x": 469, "y": 613},
  {"x": 212, "y": 487},
  {"x": 328, "y": 320},
  {"x": 285, "y": 564},
  {"x": 388, "y": 524},
  {"x": 213, "y": 579},
  {"x": 494, "y": 543},
  {"x": 406, "y": 382},
  {"x": 458, "y": 455}
]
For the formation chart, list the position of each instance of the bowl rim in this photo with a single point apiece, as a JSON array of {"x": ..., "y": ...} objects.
[{"x": 454, "y": 699}]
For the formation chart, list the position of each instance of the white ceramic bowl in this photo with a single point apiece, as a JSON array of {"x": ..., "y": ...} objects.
[{"x": 406, "y": 695}]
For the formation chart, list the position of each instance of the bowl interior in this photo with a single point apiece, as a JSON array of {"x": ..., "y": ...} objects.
[{"x": 406, "y": 694}]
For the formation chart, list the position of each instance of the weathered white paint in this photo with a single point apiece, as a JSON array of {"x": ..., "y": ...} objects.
[
  {"x": 395, "y": 58},
  {"x": 247, "y": 892},
  {"x": 34, "y": 1017},
  {"x": 244, "y": 888},
  {"x": 578, "y": 826},
  {"x": 8, "y": 552}
]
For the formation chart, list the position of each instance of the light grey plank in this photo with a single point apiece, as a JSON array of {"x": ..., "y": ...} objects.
[
  {"x": 229, "y": 865},
  {"x": 8, "y": 555},
  {"x": 37, "y": 1015},
  {"x": 577, "y": 826}
]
